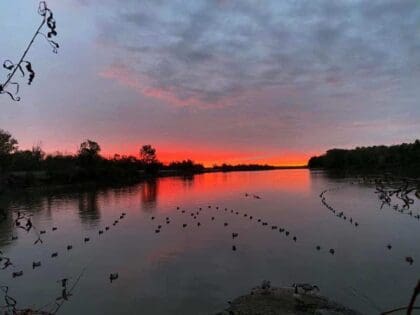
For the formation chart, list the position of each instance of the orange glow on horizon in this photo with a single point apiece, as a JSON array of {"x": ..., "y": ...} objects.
[{"x": 211, "y": 157}]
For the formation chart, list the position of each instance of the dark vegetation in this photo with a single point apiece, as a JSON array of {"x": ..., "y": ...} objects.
[
  {"x": 403, "y": 158},
  {"x": 23, "y": 168}
]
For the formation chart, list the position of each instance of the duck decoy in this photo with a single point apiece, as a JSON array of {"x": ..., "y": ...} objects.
[
  {"x": 264, "y": 223},
  {"x": 69, "y": 247},
  {"x": 409, "y": 259},
  {"x": 234, "y": 248},
  {"x": 183, "y": 211},
  {"x": 14, "y": 238},
  {"x": 234, "y": 235},
  {"x": 87, "y": 239},
  {"x": 259, "y": 220},
  {"x": 250, "y": 217},
  {"x": 332, "y": 251},
  {"x": 184, "y": 225},
  {"x": 124, "y": 214},
  {"x": 274, "y": 227},
  {"x": 318, "y": 247},
  {"x": 17, "y": 274},
  {"x": 356, "y": 224},
  {"x": 209, "y": 207},
  {"x": 36, "y": 264},
  {"x": 389, "y": 246},
  {"x": 245, "y": 215},
  {"x": 157, "y": 231},
  {"x": 217, "y": 208},
  {"x": 100, "y": 232},
  {"x": 121, "y": 217},
  {"x": 159, "y": 226},
  {"x": 113, "y": 277},
  {"x": 198, "y": 223},
  {"x": 212, "y": 218},
  {"x": 63, "y": 282},
  {"x": 281, "y": 230},
  {"x": 53, "y": 255},
  {"x": 295, "y": 238},
  {"x": 287, "y": 233},
  {"x": 54, "y": 228},
  {"x": 152, "y": 218},
  {"x": 177, "y": 208},
  {"x": 226, "y": 224},
  {"x": 306, "y": 287},
  {"x": 42, "y": 232}
]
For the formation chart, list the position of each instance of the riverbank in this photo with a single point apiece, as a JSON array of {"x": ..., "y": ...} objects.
[
  {"x": 41, "y": 179},
  {"x": 282, "y": 300}
]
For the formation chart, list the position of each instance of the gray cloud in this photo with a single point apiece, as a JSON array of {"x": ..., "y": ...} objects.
[{"x": 212, "y": 49}]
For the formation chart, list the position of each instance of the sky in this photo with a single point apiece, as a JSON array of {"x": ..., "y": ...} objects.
[{"x": 263, "y": 81}]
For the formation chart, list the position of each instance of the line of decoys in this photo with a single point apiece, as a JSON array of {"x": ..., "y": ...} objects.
[
  {"x": 338, "y": 214},
  {"x": 24, "y": 222},
  {"x": 194, "y": 215},
  {"x": 385, "y": 189}
]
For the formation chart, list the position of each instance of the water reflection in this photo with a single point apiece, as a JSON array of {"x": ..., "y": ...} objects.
[
  {"x": 149, "y": 193},
  {"x": 193, "y": 270},
  {"x": 88, "y": 205}
]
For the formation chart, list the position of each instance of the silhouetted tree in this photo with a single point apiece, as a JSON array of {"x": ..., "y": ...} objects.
[
  {"x": 148, "y": 154},
  {"x": 8, "y": 145},
  {"x": 88, "y": 153}
]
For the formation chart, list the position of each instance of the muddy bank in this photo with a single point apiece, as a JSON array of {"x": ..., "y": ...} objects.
[{"x": 267, "y": 300}]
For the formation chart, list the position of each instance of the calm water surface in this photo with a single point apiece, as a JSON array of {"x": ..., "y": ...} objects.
[{"x": 193, "y": 270}]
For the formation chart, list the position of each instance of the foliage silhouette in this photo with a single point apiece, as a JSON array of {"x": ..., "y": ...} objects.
[{"x": 23, "y": 66}]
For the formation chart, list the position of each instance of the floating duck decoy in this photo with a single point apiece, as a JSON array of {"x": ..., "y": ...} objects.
[
  {"x": 409, "y": 259},
  {"x": 356, "y": 224},
  {"x": 53, "y": 255},
  {"x": 113, "y": 277},
  {"x": 100, "y": 232},
  {"x": 177, "y": 208},
  {"x": 287, "y": 233},
  {"x": 36, "y": 264},
  {"x": 225, "y": 224},
  {"x": 14, "y": 238},
  {"x": 106, "y": 228},
  {"x": 183, "y": 211},
  {"x": 212, "y": 218},
  {"x": 332, "y": 251},
  {"x": 69, "y": 247},
  {"x": 184, "y": 225},
  {"x": 198, "y": 223},
  {"x": 264, "y": 223},
  {"x": 63, "y": 282},
  {"x": 259, "y": 220},
  {"x": 87, "y": 239},
  {"x": 157, "y": 231},
  {"x": 250, "y": 217},
  {"x": 159, "y": 226},
  {"x": 294, "y": 238},
  {"x": 245, "y": 215},
  {"x": 281, "y": 230},
  {"x": 152, "y": 218},
  {"x": 17, "y": 274},
  {"x": 274, "y": 227},
  {"x": 389, "y": 246},
  {"x": 234, "y": 248},
  {"x": 42, "y": 232},
  {"x": 54, "y": 228},
  {"x": 234, "y": 235},
  {"x": 306, "y": 287},
  {"x": 318, "y": 247}
]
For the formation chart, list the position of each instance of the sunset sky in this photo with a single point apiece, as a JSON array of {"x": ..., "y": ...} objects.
[{"x": 217, "y": 81}]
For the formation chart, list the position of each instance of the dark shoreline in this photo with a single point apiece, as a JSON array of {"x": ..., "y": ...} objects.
[{"x": 38, "y": 181}]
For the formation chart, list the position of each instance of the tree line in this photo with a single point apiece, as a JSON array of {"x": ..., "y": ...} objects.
[
  {"x": 404, "y": 157},
  {"x": 86, "y": 165}
]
